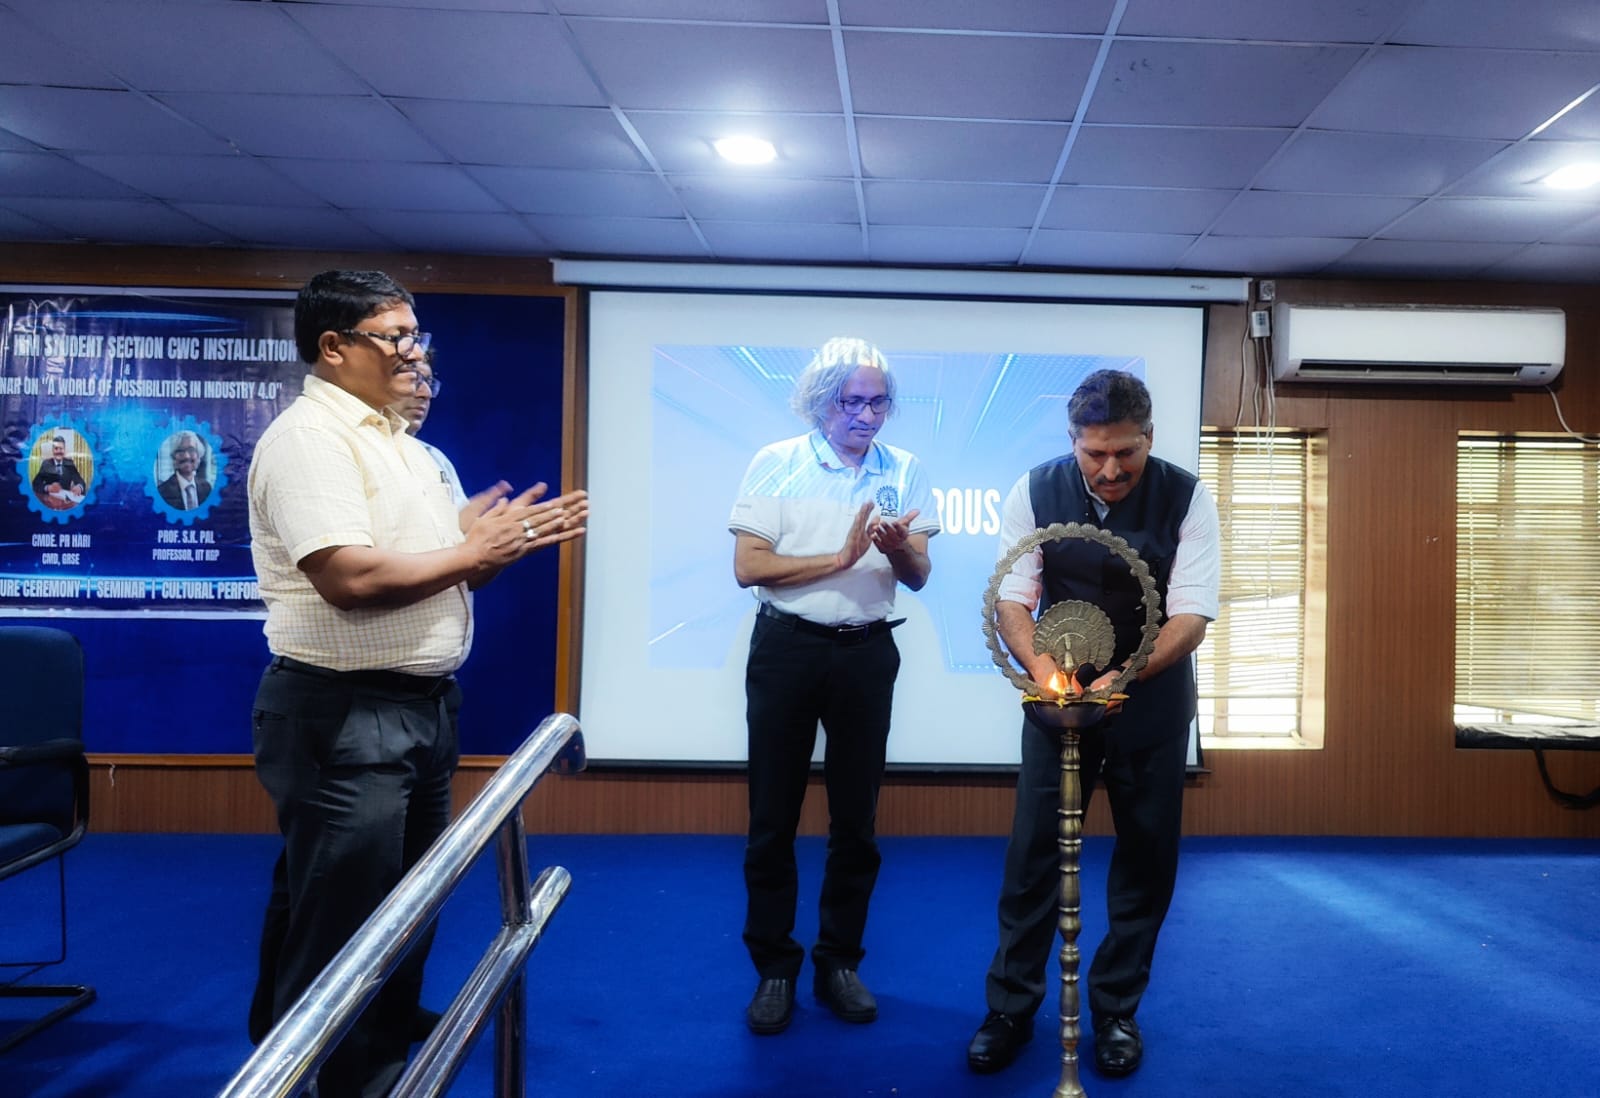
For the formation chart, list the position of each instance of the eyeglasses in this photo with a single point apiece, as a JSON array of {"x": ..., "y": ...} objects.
[
  {"x": 419, "y": 379},
  {"x": 854, "y": 406},
  {"x": 403, "y": 344}
]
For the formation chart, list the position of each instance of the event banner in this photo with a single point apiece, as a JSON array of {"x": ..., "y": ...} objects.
[{"x": 129, "y": 424}]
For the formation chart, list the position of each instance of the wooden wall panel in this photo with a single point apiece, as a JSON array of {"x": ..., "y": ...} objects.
[{"x": 1388, "y": 767}]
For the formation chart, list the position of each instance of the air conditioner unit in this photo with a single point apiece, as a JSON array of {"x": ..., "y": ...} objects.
[{"x": 1417, "y": 344}]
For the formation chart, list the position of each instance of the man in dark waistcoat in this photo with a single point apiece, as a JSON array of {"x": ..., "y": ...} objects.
[{"x": 1109, "y": 480}]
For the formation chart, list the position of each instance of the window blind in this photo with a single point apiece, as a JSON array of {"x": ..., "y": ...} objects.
[
  {"x": 1252, "y": 664},
  {"x": 1527, "y": 578}
]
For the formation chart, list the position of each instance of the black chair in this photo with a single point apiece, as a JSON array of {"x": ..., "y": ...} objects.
[{"x": 44, "y": 787}]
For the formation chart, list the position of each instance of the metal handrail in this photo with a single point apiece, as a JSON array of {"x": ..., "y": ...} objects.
[{"x": 291, "y": 1054}]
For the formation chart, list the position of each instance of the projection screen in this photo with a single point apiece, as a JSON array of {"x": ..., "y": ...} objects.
[{"x": 684, "y": 388}]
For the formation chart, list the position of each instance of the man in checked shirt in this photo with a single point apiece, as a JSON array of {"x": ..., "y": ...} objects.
[{"x": 365, "y": 567}]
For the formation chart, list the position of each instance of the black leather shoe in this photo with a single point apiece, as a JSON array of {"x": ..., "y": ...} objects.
[
  {"x": 769, "y": 1012},
  {"x": 842, "y": 992},
  {"x": 423, "y": 1023},
  {"x": 1118, "y": 1048},
  {"x": 998, "y": 1042}
]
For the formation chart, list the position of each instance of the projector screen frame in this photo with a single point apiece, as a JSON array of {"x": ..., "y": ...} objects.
[{"x": 585, "y": 677}]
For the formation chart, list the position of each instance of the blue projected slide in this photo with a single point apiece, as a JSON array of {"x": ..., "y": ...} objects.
[{"x": 685, "y": 388}]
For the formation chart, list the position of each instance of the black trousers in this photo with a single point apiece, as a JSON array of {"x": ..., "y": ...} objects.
[
  {"x": 1145, "y": 789},
  {"x": 358, "y": 766},
  {"x": 794, "y": 680}
]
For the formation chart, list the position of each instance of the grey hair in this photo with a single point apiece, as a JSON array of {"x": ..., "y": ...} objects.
[
  {"x": 1108, "y": 396},
  {"x": 816, "y": 390},
  {"x": 192, "y": 441}
]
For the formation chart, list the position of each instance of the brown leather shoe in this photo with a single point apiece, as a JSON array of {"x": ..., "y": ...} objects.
[
  {"x": 998, "y": 1042},
  {"x": 769, "y": 1012},
  {"x": 841, "y": 991},
  {"x": 1118, "y": 1048}
]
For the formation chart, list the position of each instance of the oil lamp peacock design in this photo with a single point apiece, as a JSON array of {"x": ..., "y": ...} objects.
[{"x": 1074, "y": 633}]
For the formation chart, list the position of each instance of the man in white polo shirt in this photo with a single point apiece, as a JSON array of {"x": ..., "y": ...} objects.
[
  {"x": 826, "y": 525},
  {"x": 364, "y": 564}
]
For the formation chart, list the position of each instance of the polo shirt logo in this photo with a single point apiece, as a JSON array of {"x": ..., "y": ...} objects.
[{"x": 889, "y": 501}]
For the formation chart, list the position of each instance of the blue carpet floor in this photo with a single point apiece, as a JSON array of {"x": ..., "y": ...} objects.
[{"x": 1288, "y": 967}]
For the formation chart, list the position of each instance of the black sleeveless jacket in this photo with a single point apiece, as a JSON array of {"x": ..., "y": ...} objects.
[{"x": 1149, "y": 519}]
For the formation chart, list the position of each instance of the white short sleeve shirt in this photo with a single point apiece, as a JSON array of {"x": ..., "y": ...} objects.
[{"x": 800, "y": 496}]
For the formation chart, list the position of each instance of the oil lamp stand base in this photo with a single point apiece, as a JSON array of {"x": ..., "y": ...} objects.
[{"x": 1067, "y": 719}]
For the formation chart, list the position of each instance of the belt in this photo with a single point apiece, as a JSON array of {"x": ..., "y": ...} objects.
[
  {"x": 843, "y": 634},
  {"x": 424, "y": 686}
]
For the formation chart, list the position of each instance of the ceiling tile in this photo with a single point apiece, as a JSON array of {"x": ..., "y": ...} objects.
[
  {"x": 1153, "y": 156},
  {"x": 1584, "y": 232},
  {"x": 727, "y": 197},
  {"x": 1216, "y": 84},
  {"x": 1553, "y": 262},
  {"x": 349, "y": 184},
  {"x": 75, "y": 120},
  {"x": 752, "y": 11},
  {"x": 13, "y": 226},
  {"x": 1134, "y": 209},
  {"x": 1276, "y": 213},
  {"x": 910, "y": 74},
  {"x": 1520, "y": 169},
  {"x": 490, "y": 56},
  {"x": 784, "y": 241},
  {"x": 682, "y": 66},
  {"x": 47, "y": 175},
  {"x": 1107, "y": 251},
  {"x": 1234, "y": 135},
  {"x": 907, "y": 148},
  {"x": 1033, "y": 16},
  {"x": 1261, "y": 20},
  {"x": 809, "y": 145},
  {"x": 317, "y": 127},
  {"x": 619, "y": 237},
  {"x": 10, "y": 142},
  {"x": 584, "y": 194},
  {"x": 441, "y": 231},
  {"x": 1418, "y": 259},
  {"x": 1265, "y": 255},
  {"x": 1520, "y": 220},
  {"x": 29, "y": 55},
  {"x": 321, "y": 229},
  {"x": 1545, "y": 25},
  {"x": 248, "y": 47},
  {"x": 1371, "y": 163},
  {"x": 115, "y": 221},
  {"x": 991, "y": 205},
  {"x": 523, "y": 136},
  {"x": 962, "y": 247},
  {"x": 201, "y": 178},
  {"x": 1581, "y": 123},
  {"x": 535, "y": 6},
  {"x": 1420, "y": 90}
]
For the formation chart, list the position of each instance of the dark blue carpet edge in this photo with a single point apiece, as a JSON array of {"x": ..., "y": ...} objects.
[{"x": 1289, "y": 966}]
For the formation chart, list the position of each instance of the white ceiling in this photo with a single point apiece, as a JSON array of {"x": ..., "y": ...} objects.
[{"x": 1350, "y": 138}]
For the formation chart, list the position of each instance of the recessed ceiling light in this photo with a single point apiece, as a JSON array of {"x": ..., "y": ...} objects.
[
  {"x": 745, "y": 150},
  {"x": 1574, "y": 176}
]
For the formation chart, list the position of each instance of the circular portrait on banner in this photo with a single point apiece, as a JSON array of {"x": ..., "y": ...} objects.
[
  {"x": 186, "y": 477},
  {"x": 60, "y": 470}
]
